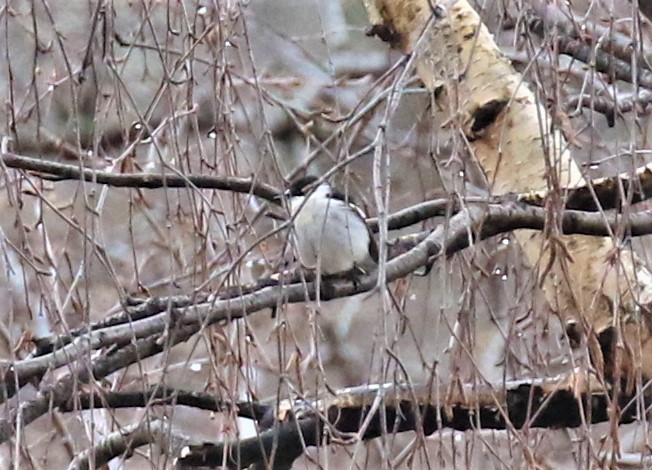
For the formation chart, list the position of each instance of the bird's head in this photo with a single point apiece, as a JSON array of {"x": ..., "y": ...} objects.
[
  {"x": 299, "y": 188},
  {"x": 302, "y": 186}
]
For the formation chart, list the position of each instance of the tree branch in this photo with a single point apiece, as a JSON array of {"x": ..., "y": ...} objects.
[
  {"x": 568, "y": 401},
  {"x": 121, "y": 442},
  {"x": 60, "y": 392},
  {"x": 601, "y": 194},
  {"x": 477, "y": 222},
  {"x": 602, "y": 37},
  {"x": 602, "y": 47},
  {"x": 61, "y": 171},
  {"x": 158, "y": 395},
  {"x": 612, "y": 107},
  {"x": 285, "y": 442}
]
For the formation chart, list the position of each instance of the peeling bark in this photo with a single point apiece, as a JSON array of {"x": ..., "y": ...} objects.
[
  {"x": 370, "y": 411},
  {"x": 513, "y": 138}
]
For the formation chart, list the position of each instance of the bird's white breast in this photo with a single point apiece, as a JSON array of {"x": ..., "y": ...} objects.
[{"x": 329, "y": 235}]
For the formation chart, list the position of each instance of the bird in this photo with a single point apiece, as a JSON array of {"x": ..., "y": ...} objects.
[{"x": 329, "y": 231}]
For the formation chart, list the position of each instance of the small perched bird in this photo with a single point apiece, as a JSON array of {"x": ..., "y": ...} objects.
[{"x": 330, "y": 233}]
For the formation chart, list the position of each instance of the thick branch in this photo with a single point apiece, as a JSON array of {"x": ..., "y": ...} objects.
[
  {"x": 476, "y": 222},
  {"x": 604, "y": 39},
  {"x": 610, "y": 107},
  {"x": 285, "y": 442},
  {"x": 605, "y": 63},
  {"x": 119, "y": 443},
  {"x": 565, "y": 401}
]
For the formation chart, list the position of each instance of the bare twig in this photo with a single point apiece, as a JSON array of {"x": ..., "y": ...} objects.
[{"x": 61, "y": 171}]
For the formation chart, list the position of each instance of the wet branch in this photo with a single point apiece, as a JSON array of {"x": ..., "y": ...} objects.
[
  {"x": 58, "y": 393},
  {"x": 48, "y": 169},
  {"x": 364, "y": 413},
  {"x": 475, "y": 223}
]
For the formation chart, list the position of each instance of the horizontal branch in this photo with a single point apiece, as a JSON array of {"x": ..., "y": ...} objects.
[
  {"x": 160, "y": 395},
  {"x": 477, "y": 222},
  {"x": 49, "y": 169},
  {"x": 286, "y": 442},
  {"x": 418, "y": 213},
  {"x": 609, "y": 106},
  {"x": 611, "y": 192},
  {"x": 600, "y": 194},
  {"x": 566, "y": 401}
]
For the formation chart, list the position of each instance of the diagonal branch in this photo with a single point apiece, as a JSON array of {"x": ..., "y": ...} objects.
[
  {"x": 477, "y": 222},
  {"x": 599, "y": 44},
  {"x": 57, "y": 394}
]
